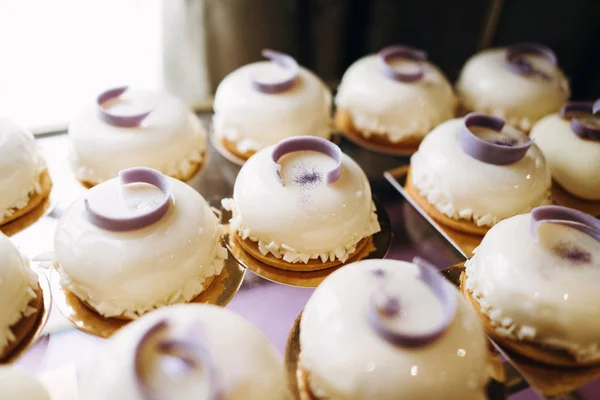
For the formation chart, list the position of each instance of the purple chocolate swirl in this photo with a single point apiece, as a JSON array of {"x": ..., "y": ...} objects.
[
  {"x": 564, "y": 216},
  {"x": 384, "y": 308},
  {"x": 498, "y": 153},
  {"x": 309, "y": 143},
  {"x": 517, "y": 63},
  {"x": 127, "y": 176},
  {"x": 286, "y": 62},
  {"x": 585, "y": 118},
  {"x": 418, "y": 57},
  {"x": 122, "y": 121},
  {"x": 190, "y": 350}
]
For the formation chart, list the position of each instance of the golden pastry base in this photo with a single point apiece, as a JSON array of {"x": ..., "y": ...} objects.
[
  {"x": 297, "y": 377},
  {"x": 375, "y": 247},
  {"x": 40, "y": 205},
  {"x": 220, "y": 292},
  {"x": 236, "y": 158},
  {"x": 376, "y": 143},
  {"x": 550, "y": 380},
  {"x": 29, "y": 329},
  {"x": 563, "y": 198},
  {"x": 464, "y": 242},
  {"x": 184, "y": 178}
]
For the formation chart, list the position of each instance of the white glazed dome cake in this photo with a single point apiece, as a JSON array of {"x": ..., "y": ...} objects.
[
  {"x": 23, "y": 175},
  {"x": 476, "y": 171},
  {"x": 391, "y": 109},
  {"x": 138, "y": 242},
  {"x": 187, "y": 352},
  {"x": 355, "y": 343},
  {"x": 572, "y": 148},
  {"x": 117, "y": 132},
  {"x": 535, "y": 279},
  {"x": 18, "y": 289},
  {"x": 252, "y": 112},
  {"x": 520, "y": 83},
  {"x": 285, "y": 203},
  {"x": 16, "y": 384}
]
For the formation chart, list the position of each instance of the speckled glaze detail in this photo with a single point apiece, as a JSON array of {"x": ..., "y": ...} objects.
[
  {"x": 252, "y": 120},
  {"x": 130, "y": 273},
  {"x": 398, "y": 110},
  {"x": 534, "y": 291},
  {"x": 464, "y": 188},
  {"x": 171, "y": 139},
  {"x": 20, "y": 168},
  {"x": 486, "y": 85},
  {"x": 304, "y": 218},
  {"x": 335, "y": 319},
  {"x": 575, "y": 162},
  {"x": 17, "y": 288},
  {"x": 246, "y": 364}
]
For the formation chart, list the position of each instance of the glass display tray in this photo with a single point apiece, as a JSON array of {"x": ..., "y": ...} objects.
[
  {"x": 66, "y": 354},
  {"x": 548, "y": 382}
]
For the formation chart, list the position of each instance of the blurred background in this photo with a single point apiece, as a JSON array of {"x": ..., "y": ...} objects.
[{"x": 57, "y": 54}]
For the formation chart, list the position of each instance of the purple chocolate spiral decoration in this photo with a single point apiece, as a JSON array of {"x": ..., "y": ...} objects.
[
  {"x": 588, "y": 127},
  {"x": 122, "y": 121},
  {"x": 189, "y": 350},
  {"x": 284, "y": 61},
  {"x": 127, "y": 176},
  {"x": 564, "y": 216},
  {"x": 504, "y": 153},
  {"x": 403, "y": 52},
  {"x": 309, "y": 143},
  {"x": 518, "y": 64},
  {"x": 385, "y": 308}
]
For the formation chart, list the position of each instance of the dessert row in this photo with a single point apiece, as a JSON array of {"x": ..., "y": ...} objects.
[{"x": 376, "y": 329}]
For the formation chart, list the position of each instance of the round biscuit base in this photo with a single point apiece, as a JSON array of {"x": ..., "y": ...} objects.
[
  {"x": 462, "y": 226},
  {"x": 251, "y": 248},
  {"x": 196, "y": 167},
  {"x": 25, "y": 325},
  {"x": 303, "y": 378},
  {"x": 343, "y": 121},
  {"x": 232, "y": 148},
  {"x": 530, "y": 350}
]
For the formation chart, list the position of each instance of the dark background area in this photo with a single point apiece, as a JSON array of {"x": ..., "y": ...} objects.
[{"x": 328, "y": 35}]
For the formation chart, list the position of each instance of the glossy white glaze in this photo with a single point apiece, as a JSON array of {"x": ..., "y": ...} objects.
[
  {"x": 486, "y": 85},
  {"x": 298, "y": 221},
  {"x": 136, "y": 271},
  {"x": 575, "y": 163},
  {"x": 17, "y": 384},
  {"x": 20, "y": 167},
  {"x": 17, "y": 287},
  {"x": 253, "y": 120},
  {"x": 462, "y": 187},
  {"x": 531, "y": 291},
  {"x": 348, "y": 360},
  {"x": 247, "y": 365},
  {"x": 169, "y": 140},
  {"x": 380, "y": 105}
]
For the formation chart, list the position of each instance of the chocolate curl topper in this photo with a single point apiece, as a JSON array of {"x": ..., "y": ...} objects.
[
  {"x": 515, "y": 62},
  {"x": 189, "y": 349},
  {"x": 390, "y": 53},
  {"x": 286, "y": 62},
  {"x": 384, "y": 309},
  {"x": 122, "y": 121},
  {"x": 564, "y": 216},
  {"x": 309, "y": 143},
  {"x": 127, "y": 176},
  {"x": 488, "y": 152},
  {"x": 586, "y": 126}
]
